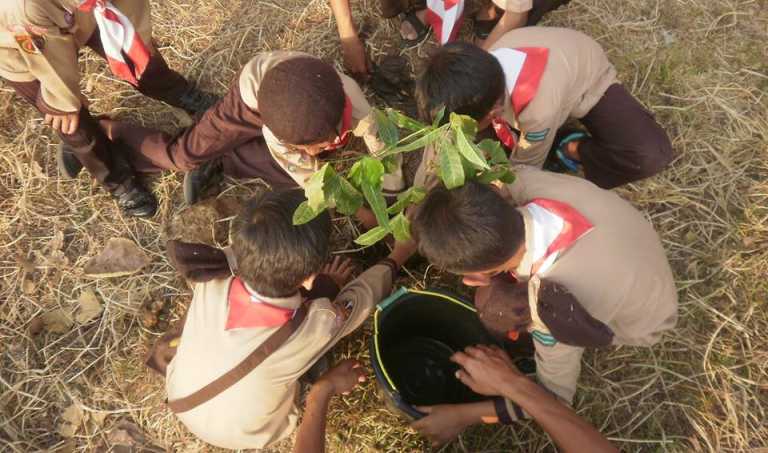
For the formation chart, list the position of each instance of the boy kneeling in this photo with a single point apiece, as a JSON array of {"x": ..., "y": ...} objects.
[
  {"x": 546, "y": 229},
  {"x": 230, "y": 318}
]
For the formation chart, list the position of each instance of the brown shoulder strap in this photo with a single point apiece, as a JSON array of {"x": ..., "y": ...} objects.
[{"x": 242, "y": 369}]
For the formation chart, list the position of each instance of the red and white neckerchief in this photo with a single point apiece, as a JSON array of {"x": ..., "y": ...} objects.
[
  {"x": 248, "y": 310},
  {"x": 120, "y": 40},
  {"x": 523, "y": 68},
  {"x": 556, "y": 227},
  {"x": 346, "y": 127},
  {"x": 445, "y": 17}
]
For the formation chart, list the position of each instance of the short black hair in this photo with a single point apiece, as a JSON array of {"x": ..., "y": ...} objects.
[
  {"x": 273, "y": 255},
  {"x": 462, "y": 77},
  {"x": 468, "y": 229}
]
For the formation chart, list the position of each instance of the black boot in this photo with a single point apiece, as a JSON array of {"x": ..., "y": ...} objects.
[
  {"x": 202, "y": 178},
  {"x": 135, "y": 200},
  {"x": 196, "y": 102},
  {"x": 68, "y": 163}
]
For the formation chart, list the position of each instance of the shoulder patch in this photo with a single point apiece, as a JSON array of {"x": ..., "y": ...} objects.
[
  {"x": 28, "y": 43},
  {"x": 537, "y": 136}
]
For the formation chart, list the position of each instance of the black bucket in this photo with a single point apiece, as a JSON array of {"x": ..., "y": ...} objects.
[{"x": 415, "y": 333}]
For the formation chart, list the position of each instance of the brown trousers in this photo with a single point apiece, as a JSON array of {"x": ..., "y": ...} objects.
[
  {"x": 626, "y": 143},
  {"x": 89, "y": 144},
  {"x": 229, "y": 130}
]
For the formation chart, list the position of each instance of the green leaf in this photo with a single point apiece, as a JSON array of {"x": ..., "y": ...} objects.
[
  {"x": 437, "y": 116},
  {"x": 494, "y": 150},
  {"x": 401, "y": 228},
  {"x": 404, "y": 121},
  {"x": 387, "y": 128},
  {"x": 347, "y": 199},
  {"x": 464, "y": 123},
  {"x": 470, "y": 151},
  {"x": 372, "y": 236},
  {"x": 421, "y": 142},
  {"x": 314, "y": 188},
  {"x": 500, "y": 173},
  {"x": 451, "y": 170},
  {"x": 378, "y": 204},
  {"x": 304, "y": 213},
  {"x": 508, "y": 177},
  {"x": 390, "y": 164},
  {"x": 366, "y": 171},
  {"x": 411, "y": 196}
]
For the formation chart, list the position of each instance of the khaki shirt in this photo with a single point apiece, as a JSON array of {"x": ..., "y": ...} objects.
[
  {"x": 577, "y": 75},
  {"x": 618, "y": 271},
  {"x": 514, "y": 6},
  {"x": 297, "y": 164},
  {"x": 261, "y": 408},
  {"x": 39, "y": 40}
]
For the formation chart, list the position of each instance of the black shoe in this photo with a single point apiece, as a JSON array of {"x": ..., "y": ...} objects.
[
  {"x": 67, "y": 162},
  {"x": 195, "y": 101},
  {"x": 135, "y": 200},
  {"x": 202, "y": 178}
]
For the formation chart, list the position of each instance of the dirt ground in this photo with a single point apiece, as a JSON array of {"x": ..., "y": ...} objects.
[{"x": 700, "y": 65}]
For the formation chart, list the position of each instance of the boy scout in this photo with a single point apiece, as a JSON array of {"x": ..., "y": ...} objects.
[
  {"x": 282, "y": 112},
  {"x": 230, "y": 318},
  {"x": 492, "y": 21},
  {"x": 39, "y": 42},
  {"x": 533, "y": 80},
  {"x": 560, "y": 229}
]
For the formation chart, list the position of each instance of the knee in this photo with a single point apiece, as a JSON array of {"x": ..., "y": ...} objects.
[{"x": 653, "y": 155}]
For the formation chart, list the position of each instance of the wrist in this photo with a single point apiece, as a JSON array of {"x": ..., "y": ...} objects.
[
  {"x": 322, "y": 389},
  {"x": 518, "y": 387},
  {"x": 347, "y": 30}
]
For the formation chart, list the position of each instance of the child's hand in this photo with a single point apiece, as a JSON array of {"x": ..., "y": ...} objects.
[
  {"x": 487, "y": 370},
  {"x": 339, "y": 269},
  {"x": 442, "y": 424},
  {"x": 343, "y": 377}
]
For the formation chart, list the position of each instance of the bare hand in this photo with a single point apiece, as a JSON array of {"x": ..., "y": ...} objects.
[
  {"x": 355, "y": 59},
  {"x": 65, "y": 123},
  {"x": 343, "y": 377},
  {"x": 487, "y": 370},
  {"x": 442, "y": 424},
  {"x": 340, "y": 270}
]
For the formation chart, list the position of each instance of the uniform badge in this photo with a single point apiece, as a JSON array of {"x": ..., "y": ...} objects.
[
  {"x": 538, "y": 136},
  {"x": 28, "y": 43}
]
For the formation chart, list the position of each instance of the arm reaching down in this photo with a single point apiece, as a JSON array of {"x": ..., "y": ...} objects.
[
  {"x": 352, "y": 47},
  {"x": 340, "y": 379},
  {"x": 489, "y": 370}
]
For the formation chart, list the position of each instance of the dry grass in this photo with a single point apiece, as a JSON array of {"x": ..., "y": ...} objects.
[{"x": 701, "y": 65}]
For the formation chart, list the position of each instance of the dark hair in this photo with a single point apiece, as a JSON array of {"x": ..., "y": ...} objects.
[
  {"x": 274, "y": 256},
  {"x": 468, "y": 229},
  {"x": 462, "y": 77},
  {"x": 503, "y": 305},
  {"x": 301, "y": 100}
]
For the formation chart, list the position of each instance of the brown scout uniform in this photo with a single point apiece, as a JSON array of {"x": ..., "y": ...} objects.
[
  {"x": 618, "y": 271},
  {"x": 233, "y": 130},
  {"x": 579, "y": 82},
  {"x": 39, "y": 43},
  {"x": 261, "y": 408}
]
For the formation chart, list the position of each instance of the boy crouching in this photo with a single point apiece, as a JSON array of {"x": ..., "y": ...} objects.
[{"x": 240, "y": 316}]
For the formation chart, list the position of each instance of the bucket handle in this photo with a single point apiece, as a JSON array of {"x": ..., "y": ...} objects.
[{"x": 393, "y": 297}]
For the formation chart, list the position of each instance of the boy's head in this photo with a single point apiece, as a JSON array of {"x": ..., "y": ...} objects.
[
  {"x": 465, "y": 79},
  {"x": 503, "y": 306},
  {"x": 273, "y": 255},
  {"x": 471, "y": 230},
  {"x": 301, "y": 100}
]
